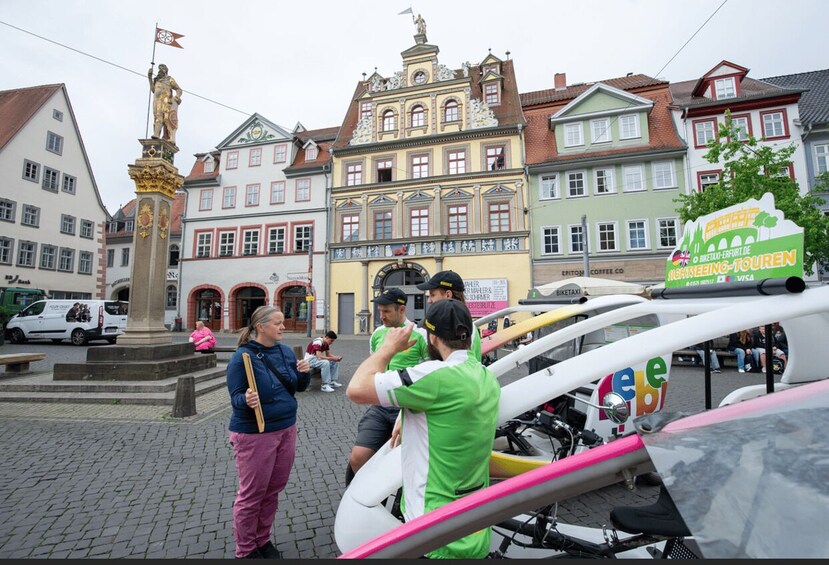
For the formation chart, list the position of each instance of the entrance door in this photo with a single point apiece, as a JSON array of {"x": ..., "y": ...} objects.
[
  {"x": 345, "y": 314},
  {"x": 209, "y": 309},
  {"x": 247, "y": 300},
  {"x": 295, "y": 310}
]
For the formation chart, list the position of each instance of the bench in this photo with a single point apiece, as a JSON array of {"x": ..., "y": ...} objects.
[
  {"x": 718, "y": 345},
  {"x": 18, "y": 363}
]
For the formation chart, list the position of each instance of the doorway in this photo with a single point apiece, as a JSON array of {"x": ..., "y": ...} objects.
[
  {"x": 345, "y": 314},
  {"x": 295, "y": 309},
  {"x": 247, "y": 300},
  {"x": 209, "y": 309}
]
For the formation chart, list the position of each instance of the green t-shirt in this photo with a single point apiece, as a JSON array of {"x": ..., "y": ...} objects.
[
  {"x": 450, "y": 412},
  {"x": 409, "y": 358}
]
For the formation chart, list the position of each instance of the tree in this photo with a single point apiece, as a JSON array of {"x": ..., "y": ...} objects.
[{"x": 749, "y": 170}]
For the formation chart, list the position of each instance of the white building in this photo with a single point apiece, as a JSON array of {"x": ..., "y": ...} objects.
[
  {"x": 254, "y": 207},
  {"x": 51, "y": 214}
]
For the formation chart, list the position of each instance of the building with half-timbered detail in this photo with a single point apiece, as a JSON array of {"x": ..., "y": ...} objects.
[{"x": 428, "y": 176}]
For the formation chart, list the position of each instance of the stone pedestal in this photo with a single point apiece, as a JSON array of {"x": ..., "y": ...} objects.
[{"x": 135, "y": 363}]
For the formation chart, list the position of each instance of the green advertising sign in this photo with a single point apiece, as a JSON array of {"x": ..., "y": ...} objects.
[{"x": 750, "y": 241}]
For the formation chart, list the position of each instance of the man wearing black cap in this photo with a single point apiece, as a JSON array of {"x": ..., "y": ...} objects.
[
  {"x": 376, "y": 425},
  {"x": 449, "y": 284},
  {"x": 449, "y": 409}
]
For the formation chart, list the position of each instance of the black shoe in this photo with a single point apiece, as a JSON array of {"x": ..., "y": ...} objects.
[
  {"x": 268, "y": 551},
  {"x": 255, "y": 554}
]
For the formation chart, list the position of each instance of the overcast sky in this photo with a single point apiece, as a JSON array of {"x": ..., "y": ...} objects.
[{"x": 300, "y": 61}]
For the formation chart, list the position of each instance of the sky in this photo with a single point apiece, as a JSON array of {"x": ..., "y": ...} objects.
[{"x": 296, "y": 62}]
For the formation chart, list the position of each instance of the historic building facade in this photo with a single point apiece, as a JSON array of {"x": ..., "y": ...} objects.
[{"x": 427, "y": 176}]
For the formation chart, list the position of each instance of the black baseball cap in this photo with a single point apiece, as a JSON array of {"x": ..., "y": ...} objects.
[
  {"x": 392, "y": 296},
  {"x": 447, "y": 280},
  {"x": 449, "y": 319}
]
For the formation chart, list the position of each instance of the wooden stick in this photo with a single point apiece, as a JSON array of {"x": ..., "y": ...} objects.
[{"x": 260, "y": 419}]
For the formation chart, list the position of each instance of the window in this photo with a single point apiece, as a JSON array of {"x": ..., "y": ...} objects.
[
  {"x": 250, "y": 242},
  {"x": 499, "y": 216},
  {"x": 31, "y": 216},
  {"x": 576, "y": 239},
  {"x": 575, "y": 184},
  {"x": 637, "y": 235},
  {"x": 549, "y": 187},
  {"x": 420, "y": 166},
  {"x": 382, "y": 224},
  {"x": 276, "y": 241},
  {"x": 57, "y": 115},
  {"x": 172, "y": 296},
  {"x": 7, "y": 209},
  {"x": 311, "y": 153},
  {"x": 87, "y": 229},
  {"x": 209, "y": 166},
  {"x": 54, "y": 143},
  {"x": 821, "y": 159},
  {"x": 206, "y": 199},
  {"x": 629, "y": 126},
  {"x": 66, "y": 259},
  {"x": 418, "y": 116},
  {"x": 419, "y": 77},
  {"x": 229, "y": 197},
  {"x": 419, "y": 222},
  {"x": 573, "y": 135},
  {"x": 6, "y": 246},
  {"x": 278, "y": 192},
  {"x": 601, "y": 130},
  {"x": 303, "y": 190},
  {"x": 450, "y": 111},
  {"x": 110, "y": 258},
  {"x": 365, "y": 110},
  {"x": 129, "y": 226},
  {"x": 255, "y": 157},
  {"x": 252, "y": 195},
  {"x": 302, "y": 238},
  {"x": 48, "y": 256},
  {"x": 456, "y": 159},
  {"x": 550, "y": 240},
  {"x": 125, "y": 256},
  {"x": 384, "y": 170},
  {"x": 704, "y": 131},
  {"x": 632, "y": 178},
  {"x": 175, "y": 252},
  {"x": 85, "y": 263},
  {"x": 743, "y": 126},
  {"x": 457, "y": 219},
  {"x": 280, "y": 153},
  {"x": 495, "y": 157},
  {"x": 663, "y": 174},
  {"x": 725, "y": 88},
  {"x": 354, "y": 174},
  {"x": 204, "y": 241},
  {"x": 707, "y": 178},
  {"x": 69, "y": 183},
  {"x": 774, "y": 124},
  {"x": 67, "y": 224},
  {"x": 604, "y": 181},
  {"x": 668, "y": 230},
  {"x": 232, "y": 160},
  {"x": 351, "y": 227},
  {"x": 26, "y": 254},
  {"x": 389, "y": 121},
  {"x": 50, "y": 179},
  {"x": 31, "y": 170},
  {"x": 491, "y": 94},
  {"x": 227, "y": 243},
  {"x": 607, "y": 236}
]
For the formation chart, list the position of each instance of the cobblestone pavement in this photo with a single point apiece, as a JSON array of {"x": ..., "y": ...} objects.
[{"x": 97, "y": 481}]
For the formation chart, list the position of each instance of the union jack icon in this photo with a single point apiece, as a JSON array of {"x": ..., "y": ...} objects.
[{"x": 684, "y": 257}]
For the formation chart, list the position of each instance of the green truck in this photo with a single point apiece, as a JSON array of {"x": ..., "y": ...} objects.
[{"x": 13, "y": 300}]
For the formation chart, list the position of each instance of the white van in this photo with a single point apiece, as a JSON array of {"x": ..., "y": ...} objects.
[{"x": 77, "y": 320}]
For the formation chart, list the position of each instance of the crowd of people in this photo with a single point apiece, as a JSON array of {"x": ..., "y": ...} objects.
[{"x": 749, "y": 348}]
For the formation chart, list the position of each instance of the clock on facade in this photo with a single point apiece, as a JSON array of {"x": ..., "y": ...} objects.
[{"x": 419, "y": 77}]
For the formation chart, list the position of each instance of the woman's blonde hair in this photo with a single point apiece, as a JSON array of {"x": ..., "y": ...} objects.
[{"x": 260, "y": 315}]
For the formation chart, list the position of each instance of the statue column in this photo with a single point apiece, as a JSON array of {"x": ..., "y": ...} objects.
[{"x": 156, "y": 181}]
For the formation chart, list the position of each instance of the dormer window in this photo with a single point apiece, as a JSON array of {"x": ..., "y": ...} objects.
[
  {"x": 419, "y": 77},
  {"x": 209, "y": 166},
  {"x": 418, "y": 116},
  {"x": 725, "y": 88},
  {"x": 311, "y": 153},
  {"x": 491, "y": 94}
]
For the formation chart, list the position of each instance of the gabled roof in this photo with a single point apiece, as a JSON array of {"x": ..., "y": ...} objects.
[
  {"x": 631, "y": 99},
  {"x": 751, "y": 89},
  {"x": 323, "y": 138},
  {"x": 552, "y": 95},
  {"x": 197, "y": 172},
  {"x": 699, "y": 86},
  {"x": 272, "y": 132},
  {"x": 19, "y": 105},
  {"x": 814, "y": 102}
]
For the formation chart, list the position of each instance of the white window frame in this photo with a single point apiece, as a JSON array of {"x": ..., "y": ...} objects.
[
  {"x": 419, "y": 222},
  {"x": 659, "y": 176},
  {"x": 644, "y": 227},
  {"x": 278, "y": 192},
  {"x": 353, "y": 174},
  {"x": 87, "y": 229},
  {"x": 51, "y": 179},
  {"x": 26, "y": 252},
  {"x": 54, "y": 143},
  {"x": 738, "y": 123},
  {"x": 48, "y": 257},
  {"x": 600, "y": 130},
  {"x": 548, "y": 187},
  {"x": 8, "y": 209},
  {"x": 6, "y": 250},
  {"x": 311, "y": 153},
  {"x": 570, "y": 175},
  {"x": 725, "y": 88},
  {"x": 610, "y": 180},
  {"x": 229, "y": 197},
  {"x": 206, "y": 199},
  {"x": 629, "y": 126},
  {"x": 774, "y": 123},
  {"x": 250, "y": 242},
  {"x": 280, "y": 153},
  {"x": 548, "y": 233},
  {"x": 66, "y": 260},
  {"x": 30, "y": 216},
  {"x": 705, "y": 133},
  {"x": 227, "y": 243},
  {"x": 573, "y": 135},
  {"x": 353, "y": 225},
  {"x": 232, "y": 160},
  {"x": 821, "y": 159},
  {"x": 255, "y": 157},
  {"x": 571, "y": 241},
  {"x": 85, "y": 262},
  {"x": 276, "y": 240},
  {"x": 662, "y": 224},
  {"x": 67, "y": 224},
  {"x": 302, "y": 190},
  {"x": 615, "y": 232},
  {"x": 302, "y": 234},
  {"x": 209, "y": 166},
  {"x": 626, "y": 186},
  {"x": 252, "y": 194},
  {"x": 125, "y": 256},
  {"x": 69, "y": 184},
  {"x": 204, "y": 244},
  {"x": 421, "y": 116}
]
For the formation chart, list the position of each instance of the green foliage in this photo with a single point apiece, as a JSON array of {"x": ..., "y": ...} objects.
[{"x": 749, "y": 170}]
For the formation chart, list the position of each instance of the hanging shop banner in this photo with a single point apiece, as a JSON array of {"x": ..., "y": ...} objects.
[
  {"x": 750, "y": 241},
  {"x": 485, "y": 296}
]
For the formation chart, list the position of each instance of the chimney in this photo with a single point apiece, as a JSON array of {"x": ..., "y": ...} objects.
[{"x": 560, "y": 81}]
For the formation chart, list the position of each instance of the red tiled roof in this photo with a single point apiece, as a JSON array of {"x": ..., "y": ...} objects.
[
  {"x": 197, "y": 172},
  {"x": 19, "y": 105},
  {"x": 324, "y": 138},
  {"x": 541, "y": 141},
  {"x": 750, "y": 90},
  {"x": 573, "y": 91}
]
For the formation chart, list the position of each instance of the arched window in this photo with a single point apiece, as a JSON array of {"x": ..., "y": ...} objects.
[
  {"x": 450, "y": 111},
  {"x": 418, "y": 116},
  {"x": 172, "y": 296},
  {"x": 389, "y": 121}
]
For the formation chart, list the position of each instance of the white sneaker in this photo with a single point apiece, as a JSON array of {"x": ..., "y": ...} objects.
[
  {"x": 741, "y": 370},
  {"x": 335, "y": 384},
  {"x": 326, "y": 388}
]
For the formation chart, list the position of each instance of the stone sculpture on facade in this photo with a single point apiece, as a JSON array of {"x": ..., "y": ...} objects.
[
  {"x": 480, "y": 116},
  {"x": 395, "y": 81},
  {"x": 364, "y": 132},
  {"x": 445, "y": 73}
]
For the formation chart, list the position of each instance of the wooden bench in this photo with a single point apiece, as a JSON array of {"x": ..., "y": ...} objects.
[{"x": 18, "y": 363}]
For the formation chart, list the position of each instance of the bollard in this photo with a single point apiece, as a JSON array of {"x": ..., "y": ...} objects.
[{"x": 185, "y": 402}]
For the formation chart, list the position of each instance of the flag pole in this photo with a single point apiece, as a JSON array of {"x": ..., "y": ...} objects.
[{"x": 150, "y": 97}]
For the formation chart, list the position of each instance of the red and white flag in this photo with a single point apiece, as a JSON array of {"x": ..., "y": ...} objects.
[{"x": 167, "y": 37}]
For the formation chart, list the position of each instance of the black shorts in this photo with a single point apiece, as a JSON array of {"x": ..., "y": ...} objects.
[{"x": 375, "y": 427}]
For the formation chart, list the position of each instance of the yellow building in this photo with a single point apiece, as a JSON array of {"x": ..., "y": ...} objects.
[{"x": 428, "y": 175}]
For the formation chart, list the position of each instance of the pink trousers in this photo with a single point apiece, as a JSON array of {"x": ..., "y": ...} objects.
[{"x": 263, "y": 462}]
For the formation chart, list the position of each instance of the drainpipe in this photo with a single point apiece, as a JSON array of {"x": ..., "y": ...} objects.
[
  {"x": 329, "y": 222},
  {"x": 689, "y": 187}
]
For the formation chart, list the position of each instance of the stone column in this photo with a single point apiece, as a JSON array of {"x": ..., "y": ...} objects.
[
  {"x": 156, "y": 181},
  {"x": 364, "y": 315}
]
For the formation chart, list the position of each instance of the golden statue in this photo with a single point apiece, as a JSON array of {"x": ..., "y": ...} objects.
[{"x": 165, "y": 104}]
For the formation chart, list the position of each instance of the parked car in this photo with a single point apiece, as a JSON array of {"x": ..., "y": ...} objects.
[{"x": 80, "y": 321}]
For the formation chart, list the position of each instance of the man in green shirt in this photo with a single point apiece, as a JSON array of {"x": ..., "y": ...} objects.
[
  {"x": 449, "y": 410},
  {"x": 449, "y": 284}
]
